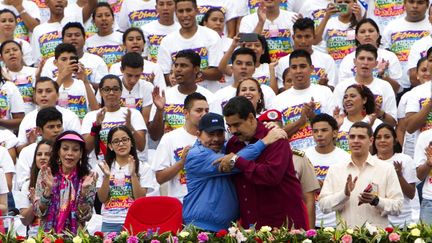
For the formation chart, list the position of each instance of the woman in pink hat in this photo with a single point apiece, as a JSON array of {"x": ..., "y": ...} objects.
[{"x": 65, "y": 188}]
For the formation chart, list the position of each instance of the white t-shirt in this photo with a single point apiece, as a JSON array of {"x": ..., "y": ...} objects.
[
  {"x": 418, "y": 50},
  {"x": 383, "y": 11},
  {"x": 169, "y": 152},
  {"x": 342, "y": 138},
  {"x": 245, "y": 7},
  {"x": 3, "y": 184},
  {"x": 224, "y": 95},
  {"x": 154, "y": 32},
  {"x": 321, "y": 163},
  {"x": 109, "y": 47},
  {"x": 314, "y": 9},
  {"x": 25, "y": 81},
  {"x": 205, "y": 42},
  {"x": 228, "y": 7},
  {"x": 120, "y": 190},
  {"x": 11, "y": 100},
  {"x": 7, "y": 139},
  {"x": 409, "y": 138},
  {"x": 23, "y": 165},
  {"x": 409, "y": 173},
  {"x": 112, "y": 119},
  {"x": 150, "y": 69},
  {"x": 423, "y": 141},
  {"x": 74, "y": 98},
  {"x": 21, "y": 31},
  {"x": 6, "y": 162},
  {"x": 347, "y": 68},
  {"x": 338, "y": 39},
  {"x": 278, "y": 32},
  {"x": 27, "y": 51},
  {"x": 400, "y": 35},
  {"x": 173, "y": 115},
  {"x": 385, "y": 99},
  {"x": 135, "y": 13},
  {"x": 290, "y": 104},
  {"x": 70, "y": 122},
  {"x": 94, "y": 65},
  {"x": 323, "y": 65}
]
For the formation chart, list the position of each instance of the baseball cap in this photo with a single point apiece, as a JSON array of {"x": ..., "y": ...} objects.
[
  {"x": 270, "y": 116},
  {"x": 211, "y": 122}
]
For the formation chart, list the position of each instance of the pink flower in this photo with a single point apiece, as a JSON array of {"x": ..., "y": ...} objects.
[
  {"x": 311, "y": 233},
  {"x": 172, "y": 239},
  {"x": 295, "y": 232},
  {"x": 393, "y": 237},
  {"x": 46, "y": 240},
  {"x": 347, "y": 239},
  {"x": 154, "y": 241},
  {"x": 202, "y": 237},
  {"x": 111, "y": 235},
  {"x": 132, "y": 239},
  {"x": 107, "y": 241}
]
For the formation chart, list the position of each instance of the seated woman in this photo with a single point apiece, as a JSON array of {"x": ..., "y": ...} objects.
[{"x": 65, "y": 188}]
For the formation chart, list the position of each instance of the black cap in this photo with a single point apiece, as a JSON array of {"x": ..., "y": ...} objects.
[{"x": 211, "y": 122}]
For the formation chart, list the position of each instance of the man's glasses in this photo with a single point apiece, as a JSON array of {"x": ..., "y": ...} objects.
[
  {"x": 117, "y": 142},
  {"x": 107, "y": 90}
]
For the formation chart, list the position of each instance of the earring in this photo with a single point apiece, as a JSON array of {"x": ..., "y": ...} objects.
[{"x": 59, "y": 162}]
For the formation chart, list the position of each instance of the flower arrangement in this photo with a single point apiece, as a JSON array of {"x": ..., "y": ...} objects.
[{"x": 417, "y": 233}]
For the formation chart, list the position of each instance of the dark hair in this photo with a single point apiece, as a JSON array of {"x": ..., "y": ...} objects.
[
  {"x": 208, "y": 13},
  {"x": 368, "y": 48},
  {"x": 64, "y": 47},
  {"x": 284, "y": 74},
  {"x": 365, "y": 93},
  {"x": 47, "y": 79},
  {"x": 191, "y": 98},
  {"x": 132, "y": 60},
  {"x": 265, "y": 57},
  {"x": 7, "y": 42},
  {"x": 397, "y": 148},
  {"x": 191, "y": 55},
  {"x": 34, "y": 170},
  {"x": 374, "y": 24},
  {"x": 260, "y": 105},
  {"x": 110, "y": 154},
  {"x": 353, "y": 20},
  {"x": 429, "y": 51},
  {"x": 244, "y": 51},
  {"x": 300, "y": 53},
  {"x": 73, "y": 25},
  {"x": 361, "y": 124},
  {"x": 132, "y": 29},
  {"x": 304, "y": 24},
  {"x": 6, "y": 10},
  {"x": 46, "y": 115},
  {"x": 240, "y": 106},
  {"x": 83, "y": 167},
  {"x": 101, "y": 5},
  {"x": 324, "y": 117},
  {"x": 420, "y": 61},
  {"x": 192, "y": 1}
]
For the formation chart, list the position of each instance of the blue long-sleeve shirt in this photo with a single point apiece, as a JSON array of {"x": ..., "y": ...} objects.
[{"x": 211, "y": 202}]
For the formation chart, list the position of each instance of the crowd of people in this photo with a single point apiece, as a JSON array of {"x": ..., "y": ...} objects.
[{"x": 270, "y": 112}]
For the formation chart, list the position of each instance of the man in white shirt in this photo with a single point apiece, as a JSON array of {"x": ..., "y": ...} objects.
[
  {"x": 323, "y": 155},
  {"x": 362, "y": 189},
  {"x": 135, "y": 13},
  {"x": 173, "y": 147}
]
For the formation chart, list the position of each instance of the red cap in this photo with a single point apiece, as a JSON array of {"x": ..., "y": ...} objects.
[{"x": 270, "y": 116}]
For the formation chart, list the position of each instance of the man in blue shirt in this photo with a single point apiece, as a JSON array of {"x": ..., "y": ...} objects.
[{"x": 211, "y": 203}]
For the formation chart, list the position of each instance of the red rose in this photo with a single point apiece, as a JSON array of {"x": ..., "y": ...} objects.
[
  {"x": 20, "y": 238},
  {"x": 221, "y": 233},
  {"x": 99, "y": 234},
  {"x": 389, "y": 230},
  {"x": 258, "y": 240},
  {"x": 59, "y": 240}
]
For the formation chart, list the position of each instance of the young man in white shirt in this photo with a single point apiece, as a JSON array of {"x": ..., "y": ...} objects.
[
  {"x": 135, "y": 13},
  {"x": 323, "y": 155},
  {"x": 204, "y": 41},
  {"x": 362, "y": 189},
  {"x": 174, "y": 145}
]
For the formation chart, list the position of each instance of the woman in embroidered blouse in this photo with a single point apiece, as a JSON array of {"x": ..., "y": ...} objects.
[{"x": 65, "y": 188}]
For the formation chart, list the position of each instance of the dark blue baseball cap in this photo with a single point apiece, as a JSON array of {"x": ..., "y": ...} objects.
[{"x": 211, "y": 122}]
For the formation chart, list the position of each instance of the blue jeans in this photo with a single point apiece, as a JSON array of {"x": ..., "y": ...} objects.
[
  {"x": 426, "y": 211},
  {"x": 110, "y": 227}
]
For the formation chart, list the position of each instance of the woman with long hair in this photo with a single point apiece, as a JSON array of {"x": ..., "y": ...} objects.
[
  {"x": 387, "y": 148},
  {"x": 65, "y": 188},
  {"x": 123, "y": 179},
  {"x": 251, "y": 89}
]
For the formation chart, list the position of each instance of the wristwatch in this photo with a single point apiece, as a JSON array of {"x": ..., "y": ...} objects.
[
  {"x": 233, "y": 160},
  {"x": 375, "y": 201}
]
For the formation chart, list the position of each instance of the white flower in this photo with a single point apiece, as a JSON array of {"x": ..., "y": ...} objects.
[
  {"x": 240, "y": 237},
  {"x": 265, "y": 229},
  {"x": 329, "y": 229},
  {"x": 30, "y": 240},
  {"x": 232, "y": 231},
  {"x": 184, "y": 234},
  {"x": 419, "y": 240},
  {"x": 77, "y": 239},
  {"x": 307, "y": 241},
  {"x": 350, "y": 231},
  {"x": 372, "y": 229},
  {"x": 412, "y": 225}
]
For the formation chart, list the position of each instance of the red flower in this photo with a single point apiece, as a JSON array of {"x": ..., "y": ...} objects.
[
  {"x": 99, "y": 234},
  {"x": 59, "y": 240},
  {"x": 389, "y": 230},
  {"x": 221, "y": 233},
  {"x": 258, "y": 240},
  {"x": 20, "y": 238}
]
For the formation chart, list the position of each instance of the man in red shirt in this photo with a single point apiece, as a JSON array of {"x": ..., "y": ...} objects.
[{"x": 268, "y": 190}]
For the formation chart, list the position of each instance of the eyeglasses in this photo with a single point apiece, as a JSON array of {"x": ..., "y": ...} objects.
[
  {"x": 122, "y": 140},
  {"x": 107, "y": 90}
]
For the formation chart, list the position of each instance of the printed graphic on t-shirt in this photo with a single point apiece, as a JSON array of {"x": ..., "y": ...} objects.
[
  {"x": 115, "y": 5},
  {"x": 182, "y": 173},
  {"x": 317, "y": 74},
  {"x": 388, "y": 8},
  {"x": 202, "y": 51},
  {"x": 137, "y": 105},
  {"x": 25, "y": 87},
  {"x": 78, "y": 104},
  {"x": 121, "y": 196},
  {"x": 428, "y": 124},
  {"x": 91, "y": 30},
  {"x": 317, "y": 16},
  {"x": 338, "y": 45},
  {"x": 48, "y": 42},
  {"x": 106, "y": 127},
  {"x": 263, "y": 80},
  {"x": 254, "y": 4},
  {"x": 279, "y": 46},
  {"x": 342, "y": 141},
  {"x": 321, "y": 172},
  {"x": 109, "y": 53},
  {"x": 173, "y": 117},
  {"x": 138, "y": 18},
  {"x": 21, "y": 31},
  {"x": 153, "y": 46},
  {"x": 378, "y": 101},
  {"x": 40, "y": 3},
  {"x": 401, "y": 42},
  {"x": 204, "y": 8},
  {"x": 4, "y": 104}
]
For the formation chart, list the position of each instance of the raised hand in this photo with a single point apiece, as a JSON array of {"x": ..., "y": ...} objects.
[
  {"x": 349, "y": 185},
  {"x": 273, "y": 135},
  {"x": 331, "y": 9},
  {"x": 428, "y": 153},
  {"x": 338, "y": 116},
  {"x": 356, "y": 10},
  {"x": 47, "y": 179},
  {"x": 398, "y": 167},
  {"x": 32, "y": 135},
  {"x": 158, "y": 99},
  {"x": 262, "y": 15},
  {"x": 89, "y": 180},
  {"x": 100, "y": 116},
  {"x": 131, "y": 163},
  {"x": 382, "y": 66},
  {"x": 128, "y": 119},
  {"x": 104, "y": 168}
]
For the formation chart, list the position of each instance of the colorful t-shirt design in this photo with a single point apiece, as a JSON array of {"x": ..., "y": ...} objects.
[
  {"x": 137, "y": 104},
  {"x": 153, "y": 46},
  {"x": 338, "y": 45},
  {"x": 279, "y": 46},
  {"x": 21, "y": 30},
  {"x": 173, "y": 117},
  {"x": 138, "y": 18},
  {"x": 4, "y": 104},
  {"x": 182, "y": 173},
  {"x": 120, "y": 195},
  {"x": 263, "y": 80},
  {"x": 106, "y": 127},
  {"x": 254, "y": 4},
  {"x": 109, "y": 53},
  {"x": 428, "y": 124},
  {"x": 78, "y": 104},
  {"x": 48, "y": 42},
  {"x": 321, "y": 172},
  {"x": 388, "y": 10},
  {"x": 317, "y": 74},
  {"x": 203, "y": 52},
  {"x": 342, "y": 141},
  {"x": 401, "y": 42},
  {"x": 25, "y": 86},
  {"x": 202, "y": 10},
  {"x": 317, "y": 16}
]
